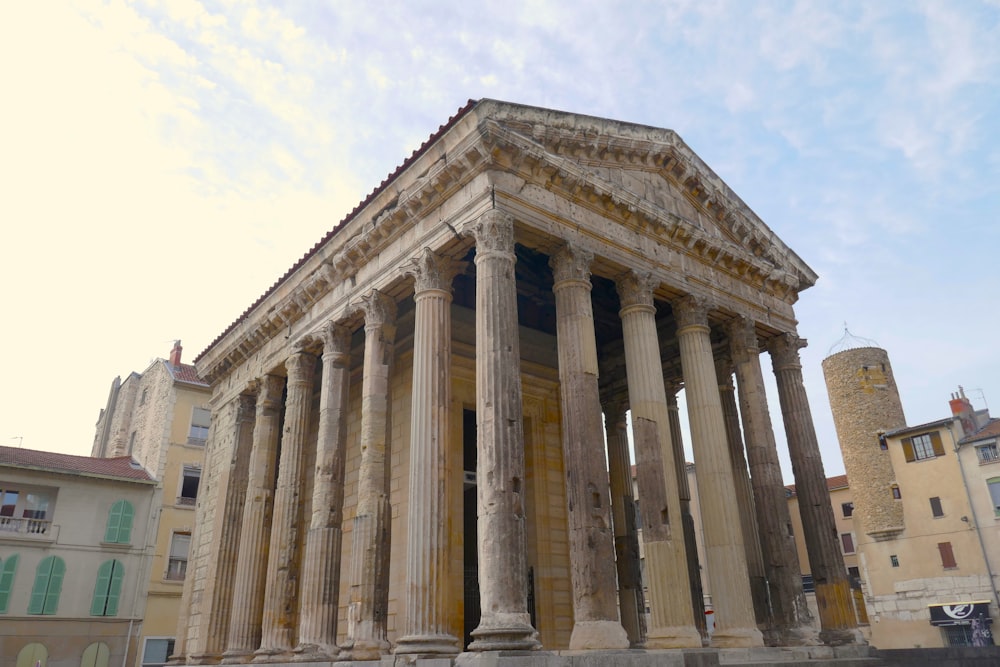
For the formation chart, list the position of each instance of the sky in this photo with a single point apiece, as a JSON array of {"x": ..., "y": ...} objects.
[{"x": 162, "y": 164}]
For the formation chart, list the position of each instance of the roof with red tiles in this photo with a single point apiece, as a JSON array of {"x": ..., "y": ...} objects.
[
  {"x": 121, "y": 467},
  {"x": 991, "y": 430},
  {"x": 832, "y": 483},
  {"x": 350, "y": 216},
  {"x": 185, "y": 373}
]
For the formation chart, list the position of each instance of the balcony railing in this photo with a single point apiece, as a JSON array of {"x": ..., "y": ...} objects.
[{"x": 9, "y": 524}]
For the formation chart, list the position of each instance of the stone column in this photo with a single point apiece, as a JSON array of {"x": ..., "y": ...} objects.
[
  {"x": 320, "y": 593},
  {"x": 724, "y": 552},
  {"x": 671, "y": 622},
  {"x": 219, "y": 588},
  {"x": 281, "y": 602},
  {"x": 369, "y": 590},
  {"x": 248, "y": 594},
  {"x": 744, "y": 491},
  {"x": 631, "y": 601},
  {"x": 596, "y": 623},
  {"x": 425, "y": 623},
  {"x": 790, "y": 621},
  {"x": 687, "y": 519},
  {"x": 833, "y": 588},
  {"x": 503, "y": 571}
]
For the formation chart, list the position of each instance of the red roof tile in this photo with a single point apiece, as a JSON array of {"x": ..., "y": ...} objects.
[
  {"x": 186, "y": 373},
  {"x": 121, "y": 467},
  {"x": 991, "y": 430},
  {"x": 832, "y": 483}
]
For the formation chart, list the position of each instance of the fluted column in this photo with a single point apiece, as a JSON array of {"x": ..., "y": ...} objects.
[
  {"x": 833, "y": 589},
  {"x": 281, "y": 602},
  {"x": 503, "y": 572},
  {"x": 744, "y": 491},
  {"x": 631, "y": 601},
  {"x": 251, "y": 565},
  {"x": 369, "y": 590},
  {"x": 320, "y": 594},
  {"x": 687, "y": 519},
  {"x": 425, "y": 623},
  {"x": 724, "y": 552},
  {"x": 596, "y": 623},
  {"x": 790, "y": 621},
  {"x": 671, "y": 622}
]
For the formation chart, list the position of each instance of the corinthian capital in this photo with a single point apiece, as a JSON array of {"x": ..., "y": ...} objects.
[
  {"x": 432, "y": 271},
  {"x": 742, "y": 339},
  {"x": 571, "y": 263},
  {"x": 784, "y": 349},
  {"x": 300, "y": 366},
  {"x": 690, "y": 311},
  {"x": 379, "y": 309},
  {"x": 494, "y": 234},
  {"x": 336, "y": 339},
  {"x": 635, "y": 288}
]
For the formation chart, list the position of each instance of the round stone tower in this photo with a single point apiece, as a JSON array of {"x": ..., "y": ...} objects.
[{"x": 865, "y": 404}]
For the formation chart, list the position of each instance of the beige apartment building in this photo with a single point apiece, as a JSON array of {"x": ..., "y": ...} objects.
[
  {"x": 160, "y": 418},
  {"x": 76, "y": 535},
  {"x": 407, "y": 453}
]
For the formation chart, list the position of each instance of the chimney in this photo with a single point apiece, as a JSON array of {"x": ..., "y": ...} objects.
[
  {"x": 175, "y": 354},
  {"x": 961, "y": 409}
]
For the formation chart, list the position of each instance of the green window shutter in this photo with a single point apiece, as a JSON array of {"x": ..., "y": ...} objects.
[
  {"x": 101, "y": 586},
  {"x": 7, "y": 581},
  {"x": 938, "y": 445},
  {"x": 114, "y": 521},
  {"x": 55, "y": 585},
  {"x": 908, "y": 449},
  {"x": 125, "y": 526},
  {"x": 115, "y": 590},
  {"x": 42, "y": 574}
]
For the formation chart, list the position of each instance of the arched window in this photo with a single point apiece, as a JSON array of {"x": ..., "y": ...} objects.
[
  {"x": 7, "y": 581},
  {"x": 33, "y": 655},
  {"x": 95, "y": 655},
  {"x": 107, "y": 589},
  {"x": 120, "y": 523},
  {"x": 48, "y": 584}
]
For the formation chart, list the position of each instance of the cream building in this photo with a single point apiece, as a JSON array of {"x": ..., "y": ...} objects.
[
  {"x": 75, "y": 538},
  {"x": 407, "y": 452},
  {"x": 161, "y": 418}
]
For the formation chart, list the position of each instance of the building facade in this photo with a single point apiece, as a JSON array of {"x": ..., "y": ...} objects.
[
  {"x": 407, "y": 452},
  {"x": 924, "y": 517},
  {"x": 161, "y": 418},
  {"x": 75, "y": 538}
]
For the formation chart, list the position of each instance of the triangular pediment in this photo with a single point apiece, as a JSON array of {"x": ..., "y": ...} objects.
[{"x": 643, "y": 170}]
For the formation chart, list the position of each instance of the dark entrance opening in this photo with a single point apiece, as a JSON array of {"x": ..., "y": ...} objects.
[{"x": 470, "y": 525}]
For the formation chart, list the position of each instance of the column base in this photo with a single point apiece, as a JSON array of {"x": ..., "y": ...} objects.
[
  {"x": 797, "y": 636},
  {"x": 505, "y": 632},
  {"x": 685, "y": 636},
  {"x": 429, "y": 645},
  {"x": 315, "y": 653},
  {"x": 364, "y": 650},
  {"x": 236, "y": 657},
  {"x": 737, "y": 638},
  {"x": 266, "y": 655},
  {"x": 590, "y": 635},
  {"x": 842, "y": 637}
]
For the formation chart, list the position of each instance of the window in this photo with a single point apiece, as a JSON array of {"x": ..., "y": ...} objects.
[
  {"x": 145, "y": 395},
  {"x": 48, "y": 584},
  {"x": 894, "y": 560},
  {"x": 847, "y": 509},
  {"x": 200, "y": 420},
  {"x": 7, "y": 581},
  {"x": 119, "y": 529},
  {"x": 936, "y": 510},
  {"x": 883, "y": 444},
  {"x": 987, "y": 453},
  {"x": 895, "y": 491},
  {"x": 180, "y": 544},
  {"x": 808, "y": 584},
  {"x": 923, "y": 446},
  {"x": 107, "y": 589},
  {"x": 131, "y": 443},
  {"x": 96, "y": 655},
  {"x": 157, "y": 651},
  {"x": 26, "y": 510},
  {"x": 994, "y": 485},
  {"x": 191, "y": 478},
  {"x": 947, "y": 556},
  {"x": 847, "y": 541}
]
